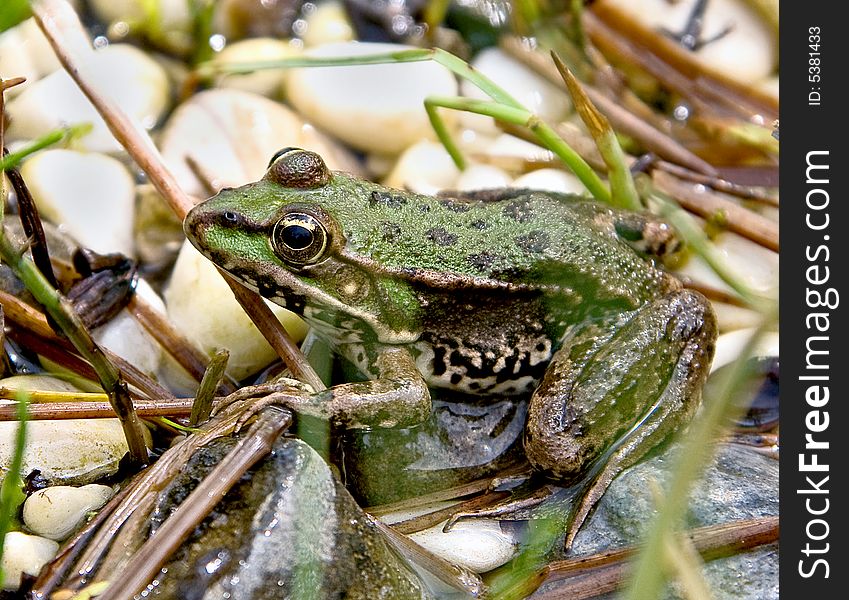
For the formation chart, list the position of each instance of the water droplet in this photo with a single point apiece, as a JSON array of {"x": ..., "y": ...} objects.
[{"x": 217, "y": 42}]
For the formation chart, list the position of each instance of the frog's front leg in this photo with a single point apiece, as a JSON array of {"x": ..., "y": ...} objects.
[
  {"x": 615, "y": 390},
  {"x": 399, "y": 397}
]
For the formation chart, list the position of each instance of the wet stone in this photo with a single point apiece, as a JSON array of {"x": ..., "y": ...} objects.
[
  {"x": 288, "y": 529},
  {"x": 460, "y": 442},
  {"x": 738, "y": 484}
]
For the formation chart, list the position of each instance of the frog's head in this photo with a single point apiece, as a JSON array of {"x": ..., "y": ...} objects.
[{"x": 281, "y": 237}]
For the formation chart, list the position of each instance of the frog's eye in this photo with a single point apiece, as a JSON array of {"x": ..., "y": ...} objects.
[
  {"x": 299, "y": 239},
  {"x": 296, "y": 168}
]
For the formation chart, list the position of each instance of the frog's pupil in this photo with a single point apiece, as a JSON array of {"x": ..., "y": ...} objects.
[{"x": 297, "y": 237}]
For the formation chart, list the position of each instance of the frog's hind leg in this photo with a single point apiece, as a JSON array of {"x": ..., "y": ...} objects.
[{"x": 632, "y": 382}]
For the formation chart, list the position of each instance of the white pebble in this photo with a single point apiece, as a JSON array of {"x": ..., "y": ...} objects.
[
  {"x": 534, "y": 92},
  {"x": 479, "y": 545},
  {"x": 136, "y": 82},
  {"x": 232, "y": 135},
  {"x": 124, "y": 336},
  {"x": 89, "y": 196},
  {"x": 327, "y": 23},
  {"x": 24, "y": 553},
  {"x": 748, "y": 52},
  {"x": 200, "y": 302},
  {"x": 265, "y": 82},
  {"x": 509, "y": 145},
  {"x": 479, "y": 177},
  {"x": 730, "y": 317},
  {"x": 729, "y": 345},
  {"x": 57, "y": 512},
  {"x": 73, "y": 451},
  {"x": 424, "y": 168},
  {"x": 550, "y": 180},
  {"x": 167, "y": 23},
  {"x": 753, "y": 264},
  {"x": 376, "y": 108},
  {"x": 25, "y": 52}
]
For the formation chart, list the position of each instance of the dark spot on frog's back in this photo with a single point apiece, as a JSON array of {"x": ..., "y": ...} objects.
[
  {"x": 391, "y": 231},
  {"x": 386, "y": 199},
  {"x": 454, "y": 205},
  {"x": 440, "y": 236},
  {"x": 534, "y": 242},
  {"x": 519, "y": 210},
  {"x": 479, "y": 224},
  {"x": 482, "y": 261}
]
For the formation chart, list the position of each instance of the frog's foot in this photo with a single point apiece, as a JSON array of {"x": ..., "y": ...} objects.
[
  {"x": 399, "y": 397},
  {"x": 616, "y": 390}
]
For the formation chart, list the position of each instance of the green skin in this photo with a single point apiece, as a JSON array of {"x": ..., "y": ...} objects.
[{"x": 507, "y": 292}]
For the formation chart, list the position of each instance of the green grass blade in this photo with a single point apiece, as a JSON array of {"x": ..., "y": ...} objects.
[{"x": 11, "y": 488}]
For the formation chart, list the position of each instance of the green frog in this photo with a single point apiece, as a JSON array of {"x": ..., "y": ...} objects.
[{"x": 504, "y": 293}]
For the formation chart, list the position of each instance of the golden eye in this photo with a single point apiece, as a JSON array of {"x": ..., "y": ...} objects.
[
  {"x": 296, "y": 168},
  {"x": 299, "y": 239}
]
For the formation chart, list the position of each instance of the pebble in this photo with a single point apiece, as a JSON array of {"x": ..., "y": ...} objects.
[
  {"x": 25, "y": 52},
  {"x": 232, "y": 135},
  {"x": 736, "y": 483},
  {"x": 24, "y": 553},
  {"x": 479, "y": 177},
  {"x": 90, "y": 196},
  {"x": 479, "y": 545},
  {"x": 167, "y": 23},
  {"x": 72, "y": 451},
  {"x": 753, "y": 264},
  {"x": 57, "y": 512},
  {"x": 730, "y": 345},
  {"x": 534, "y": 92},
  {"x": 327, "y": 23},
  {"x": 424, "y": 168},
  {"x": 357, "y": 104},
  {"x": 749, "y": 36},
  {"x": 124, "y": 336},
  {"x": 201, "y": 304},
  {"x": 265, "y": 82},
  {"x": 135, "y": 82},
  {"x": 509, "y": 145},
  {"x": 551, "y": 180}
]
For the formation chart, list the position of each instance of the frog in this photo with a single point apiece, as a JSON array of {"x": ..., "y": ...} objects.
[{"x": 503, "y": 293}]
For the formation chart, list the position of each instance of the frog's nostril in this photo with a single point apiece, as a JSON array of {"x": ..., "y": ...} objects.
[{"x": 230, "y": 216}]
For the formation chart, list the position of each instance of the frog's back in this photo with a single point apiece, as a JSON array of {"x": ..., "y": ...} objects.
[{"x": 532, "y": 240}]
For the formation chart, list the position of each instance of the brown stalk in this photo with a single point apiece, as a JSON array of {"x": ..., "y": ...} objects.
[
  {"x": 707, "y": 204},
  {"x": 72, "y": 46},
  {"x": 51, "y": 411},
  {"x": 748, "y": 192},
  {"x": 32, "y": 329},
  {"x": 721, "y": 88},
  {"x": 438, "y": 516}
]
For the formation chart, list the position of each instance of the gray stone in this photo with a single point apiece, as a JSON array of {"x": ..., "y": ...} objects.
[
  {"x": 738, "y": 484},
  {"x": 288, "y": 529}
]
